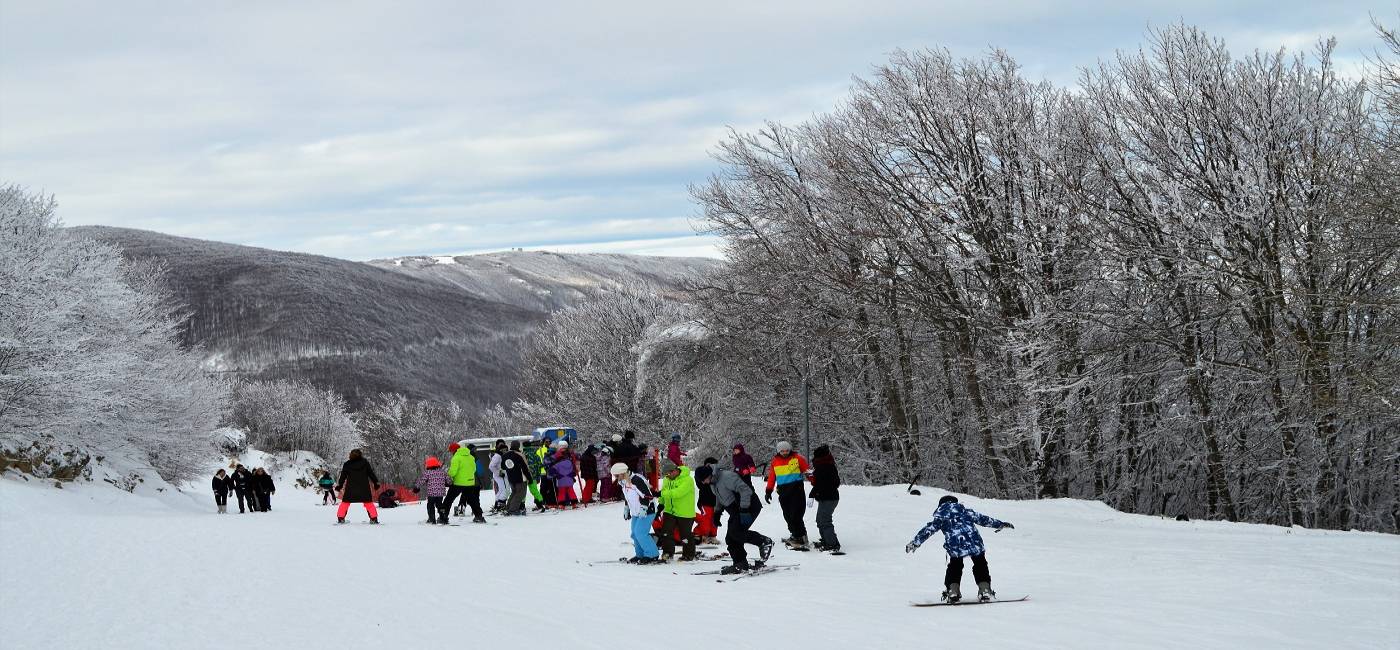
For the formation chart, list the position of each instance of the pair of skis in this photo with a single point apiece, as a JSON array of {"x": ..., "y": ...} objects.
[{"x": 968, "y": 602}]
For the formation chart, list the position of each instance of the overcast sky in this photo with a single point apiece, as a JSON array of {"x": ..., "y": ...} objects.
[{"x": 377, "y": 129}]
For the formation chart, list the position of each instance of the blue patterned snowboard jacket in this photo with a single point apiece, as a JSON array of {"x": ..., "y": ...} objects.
[{"x": 959, "y": 527}]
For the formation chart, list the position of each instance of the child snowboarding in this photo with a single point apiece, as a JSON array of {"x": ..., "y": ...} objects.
[{"x": 960, "y": 539}]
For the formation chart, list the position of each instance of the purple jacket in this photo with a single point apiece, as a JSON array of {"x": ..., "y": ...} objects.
[
  {"x": 604, "y": 466},
  {"x": 743, "y": 462},
  {"x": 563, "y": 471},
  {"x": 433, "y": 482}
]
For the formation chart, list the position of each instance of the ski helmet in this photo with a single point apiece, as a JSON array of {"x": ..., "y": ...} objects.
[
  {"x": 432, "y": 462},
  {"x": 947, "y": 499},
  {"x": 618, "y": 469}
]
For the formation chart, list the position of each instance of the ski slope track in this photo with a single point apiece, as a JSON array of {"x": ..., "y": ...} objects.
[{"x": 90, "y": 566}]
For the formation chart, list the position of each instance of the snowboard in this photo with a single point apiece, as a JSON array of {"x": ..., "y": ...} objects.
[{"x": 969, "y": 602}]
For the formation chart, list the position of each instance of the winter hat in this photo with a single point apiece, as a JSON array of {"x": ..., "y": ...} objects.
[
  {"x": 617, "y": 437},
  {"x": 675, "y": 436},
  {"x": 784, "y": 446},
  {"x": 711, "y": 461},
  {"x": 703, "y": 472},
  {"x": 432, "y": 462},
  {"x": 618, "y": 469},
  {"x": 667, "y": 466},
  {"x": 948, "y": 499},
  {"x": 561, "y": 444},
  {"x": 606, "y": 450},
  {"x": 821, "y": 451},
  {"x": 452, "y": 448}
]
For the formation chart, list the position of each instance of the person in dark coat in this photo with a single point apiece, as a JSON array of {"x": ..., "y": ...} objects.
[
  {"x": 242, "y": 487},
  {"x": 517, "y": 469},
  {"x": 588, "y": 471},
  {"x": 706, "y": 524},
  {"x": 825, "y": 491},
  {"x": 264, "y": 488},
  {"x": 357, "y": 485},
  {"x": 743, "y": 464},
  {"x": 222, "y": 485},
  {"x": 735, "y": 497}
]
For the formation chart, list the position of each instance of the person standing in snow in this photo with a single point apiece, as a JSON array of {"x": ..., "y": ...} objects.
[
  {"x": 461, "y": 479},
  {"x": 786, "y": 473},
  {"x": 743, "y": 464},
  {"x": 737, "y": 498},
  {"x": 265, "y": 489},
  {"x": 639, "y": 510},
  {"x": 607, "y": 490},
  {"x": 327, "y": 484},
  {"x": 588, "y": 472},
  {"x": 535, "y": 458},
  {"x": 517, "y": 472},
  {"x": 960, "y": 539},
  {"x": 826, "y": 483},
  {"x": 222, "y": 484},
  {"x": 243, "y": 488},
  {"x": 357, "y": 485},
  {"x": 677, "y": 512},
  {"x": 433, "y": 483},
  {"x": 673, "y": 449},
  {"x": 564, "y": 469},
  {"x": 499, "y": 486},
  {"x": 706, "y": 521}
]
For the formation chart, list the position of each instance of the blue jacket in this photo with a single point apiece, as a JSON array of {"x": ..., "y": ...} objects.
[{"x": 959, "y": 527}]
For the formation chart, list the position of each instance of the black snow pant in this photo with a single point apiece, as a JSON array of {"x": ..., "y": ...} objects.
[
  {"x": 471, "y": 495},
  {"x": 737, "y": 534},
  {"x": 516, "y": 502},
  {"x": 434, "y": 507},
  {"x": 670, "y": 525},
  {"x": 253, "y": 504},
  {"x": 265, "y": 501},
  {"x": 221, "y": 498},
  {"x": 979, "y": 570},
  {"x": 793, "y": 500},
  {"x": 824, "y": 524},
  {"x": 241, "y": 496}
]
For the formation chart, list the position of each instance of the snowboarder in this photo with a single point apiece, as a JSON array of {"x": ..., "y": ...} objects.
[
  {"x": 461, "y": 479},
  {"x": 499, "y": 485},
  {"x": 357, "y": 485},
  {"x": 825, "y": 491},
  {"x": 786, "y": 472},
  {"x": 677, "y": 512},
  {"x": 735, "y": 497},
  {"x": 743, "y": 463},
  {"x": 960, "y": 539},
  {"x": 327, "y": 484},
  {"x": 706, "y": 528},
  {"x": 517, "y": 472},
  {"x": 640, "y": 510},
  {"x": 433, "y": 482},
  {"x": 265, "y": 489},
  {"x": 243, "y": 489},
  {"x": 222, "y": 484}
]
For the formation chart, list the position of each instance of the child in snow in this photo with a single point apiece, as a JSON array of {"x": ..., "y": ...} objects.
[
  {"x": 960, "y": 539},
  {"x": 705, "y": 527},
  {"x": 433, "y": 482},
  {"x": 222, "y": 484},
  {"x": 327, "y": 484},
  {"x": 673, "y": 450},
  {"x": 743, "y": 464},
  {"x": 564, "y": 470}
]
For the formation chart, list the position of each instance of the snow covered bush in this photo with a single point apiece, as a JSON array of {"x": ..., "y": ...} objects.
[
  {"x": 281, "y": 416},
  {"x": 89, "y": 353}
]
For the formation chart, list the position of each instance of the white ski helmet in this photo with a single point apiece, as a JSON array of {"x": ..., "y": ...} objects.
[{"x": 561, "y": 444}]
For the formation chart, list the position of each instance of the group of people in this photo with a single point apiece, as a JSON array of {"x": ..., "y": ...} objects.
[{"x": 253, "y": 489}]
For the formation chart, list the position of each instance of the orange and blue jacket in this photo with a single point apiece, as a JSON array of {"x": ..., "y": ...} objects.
[{"x": 787, "y": 470}]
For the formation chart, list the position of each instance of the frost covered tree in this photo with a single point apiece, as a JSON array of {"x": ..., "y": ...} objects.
[
  {"x": 282, "y": 416},
  {"x": 89, "y": 348}
]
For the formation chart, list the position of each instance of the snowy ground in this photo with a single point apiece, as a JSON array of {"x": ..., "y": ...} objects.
[{"x": 93, "y": 567}]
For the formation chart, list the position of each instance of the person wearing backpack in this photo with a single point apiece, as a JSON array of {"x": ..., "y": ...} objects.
[
  {"x": 327, "y": 485},
  {"x": 639, "y": 509}
]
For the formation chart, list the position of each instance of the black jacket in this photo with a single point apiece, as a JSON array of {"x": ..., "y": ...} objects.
[
  {"x": 517, "y": 468},
  {"x": 356, "y": 478},
  {"x": 264, "y": 483},
  {"x": 239, "y": 480},
  {"x": 222, "y": 485},
  {"x": 825, "y": 479}
]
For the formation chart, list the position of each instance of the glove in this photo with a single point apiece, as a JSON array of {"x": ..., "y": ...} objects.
[
  {"x": 768, "y": 497},
  {"x": 1006, "y": 524},
  {"x": 416, "y": 490},
  {"x": 911, "y": 547},
  {"x": 716, "y": 519},
  {"x": 626, "y": 514}
]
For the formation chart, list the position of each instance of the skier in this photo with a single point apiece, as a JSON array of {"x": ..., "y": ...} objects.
[
  {"x": 535, "y": 459},
  {"x": 960, "y": 539},
  {"x": 706, "y": 528},
  {"x": 434, "y": 482},
  {"x": 517, "y": 472},
  {"x": 357, "y": 485},
  {"x": 743, "y": 463},
  {"x": 461, "y": 477},
  {"x": 673, "y": 450},
  {"x": 565, "y": 471},
  {"x": 499, "y": 485},
  {"x": 327, "y": 484},
  {"x": 588, "y": 471},
  {"x": 735, "y": 496},
  {"x": 243, "y": 489},
  {"x": 639, "y": 510},
  {"x": 222, "y": 484},
  {"x": 678, "y": 512},
  {"x": 265, "y": 488},
  {"x": 825, "y": 491},
  {"x": 786, "y": 472}
]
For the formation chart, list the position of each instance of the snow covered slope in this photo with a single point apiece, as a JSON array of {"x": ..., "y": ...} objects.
[{"x": 91, "y": 566}]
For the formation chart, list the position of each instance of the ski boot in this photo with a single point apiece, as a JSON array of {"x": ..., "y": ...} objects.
[
  {"x": 985, "y": 593},
  {"x": 478, "y": 519},
  {"x": 953, "y": 593},
  {"x": 734, "y": 569},
  {"x": 340, "y": 520},
  {"x": 765, "y": 549},
  {"x": 374, "y": 520}
]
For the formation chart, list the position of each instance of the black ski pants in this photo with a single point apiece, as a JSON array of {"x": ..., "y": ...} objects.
[
  {"x": 793, "y": 500},
  {"x": 242, "y": 495},
  {"x": 979, "y": 570},
  {"x": 265, "y": 501},
  {"x": 221, "y": 498},
  {"x": 670, "y": 525},
  {"x": 471, "y": 495},
  {"x": 435, "y": 507},
  {"x": 738, "y": 533}
]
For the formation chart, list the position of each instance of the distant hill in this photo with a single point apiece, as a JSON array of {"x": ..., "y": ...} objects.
[
  {"x": 545, "y": 281},
  {"x": 449, "y": 328}
]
